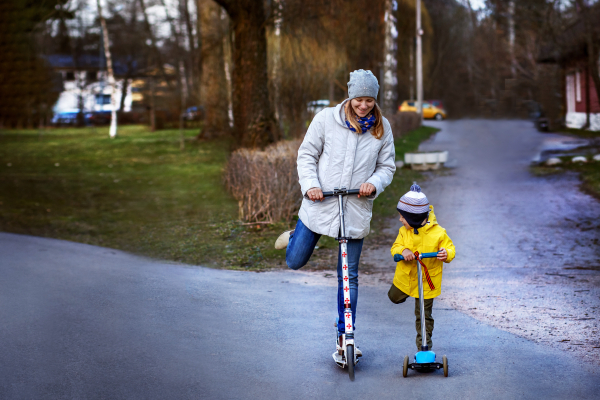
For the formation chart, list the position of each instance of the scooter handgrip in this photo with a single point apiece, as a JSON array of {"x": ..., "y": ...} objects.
[
  {"x": 429, "y": 255},
  {"x": 400, "y": 257}
]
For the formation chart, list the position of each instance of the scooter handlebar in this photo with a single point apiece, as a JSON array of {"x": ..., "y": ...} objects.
[
  {"x": 400, "y": 257},
  {"x": 343, "y": 192}
]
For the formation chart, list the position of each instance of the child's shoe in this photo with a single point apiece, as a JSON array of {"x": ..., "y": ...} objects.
[{"x": 283, "y": 240}]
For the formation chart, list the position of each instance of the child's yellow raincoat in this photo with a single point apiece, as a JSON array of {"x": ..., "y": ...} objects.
[{"x": 431, "y": 238}]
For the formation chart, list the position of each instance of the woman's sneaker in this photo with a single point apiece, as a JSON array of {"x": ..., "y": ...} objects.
[{"x": 283, "y": 240}]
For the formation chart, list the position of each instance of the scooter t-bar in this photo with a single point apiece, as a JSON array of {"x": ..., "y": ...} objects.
[
  {"x": 421, "y": 302},
  {"x": 342, "y": 192},
  {"x": 424, "y": 255}
]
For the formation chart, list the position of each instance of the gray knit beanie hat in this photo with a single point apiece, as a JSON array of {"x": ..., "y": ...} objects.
[
  {"x": 362, "y": 84},
  {"x": 414, "y": 201},
  {"x": 414, "y": 207}
]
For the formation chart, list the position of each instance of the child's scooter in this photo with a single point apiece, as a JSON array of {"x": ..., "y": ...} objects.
[
  {"x": 349, "y": 358},
  {"x": 424, "y": 359}
]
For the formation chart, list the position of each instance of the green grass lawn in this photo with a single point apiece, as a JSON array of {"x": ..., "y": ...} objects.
[{"x": 141, "y": 193}]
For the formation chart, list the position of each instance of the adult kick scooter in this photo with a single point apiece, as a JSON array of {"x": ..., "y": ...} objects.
[
  {"x": 424, "y": 359},
  {"x": 349, "y": 358}
]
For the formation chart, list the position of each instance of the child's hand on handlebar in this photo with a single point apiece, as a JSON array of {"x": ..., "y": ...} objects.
[
  {"x": 366, "y": 189},
  {"x": 408, "y": 255},
  {"x": 315, "y": 194},
  {"x": 442, "y": 254}
]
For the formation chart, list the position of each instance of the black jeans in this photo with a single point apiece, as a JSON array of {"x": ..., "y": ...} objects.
[{"x": 397, "y": 296}]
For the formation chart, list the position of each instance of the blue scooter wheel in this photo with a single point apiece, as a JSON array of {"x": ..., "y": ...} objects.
[{"x": 405, "y": 367}]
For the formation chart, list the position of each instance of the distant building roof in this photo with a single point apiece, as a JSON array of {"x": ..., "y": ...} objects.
[{"x": 89, "y": 62}]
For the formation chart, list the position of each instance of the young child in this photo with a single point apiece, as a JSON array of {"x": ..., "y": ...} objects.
[{"x": 420, "y": 232}]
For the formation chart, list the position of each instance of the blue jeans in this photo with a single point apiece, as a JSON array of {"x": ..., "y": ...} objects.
[{"x": 301, "y": 246}]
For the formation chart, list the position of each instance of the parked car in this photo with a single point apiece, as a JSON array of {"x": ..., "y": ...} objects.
[
  {"x": 436, "y": 103},
  {"x": 98, "y": 118},
  {"x": 194, "y": 113},
  {"x": 65, "y": 118},
  {"x": 429, "y": 111},
  {"x": 315, "y": 106}
]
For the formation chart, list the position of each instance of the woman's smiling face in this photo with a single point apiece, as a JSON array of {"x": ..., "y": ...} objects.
[{"x": 362, "y": 106}]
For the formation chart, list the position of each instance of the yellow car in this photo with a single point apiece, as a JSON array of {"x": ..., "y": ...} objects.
[{"x": 429, "y": 110}]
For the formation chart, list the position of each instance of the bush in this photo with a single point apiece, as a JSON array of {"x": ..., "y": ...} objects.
[
  {"x": 404, "y": 122},
  {"x": 265, "y": 183}
]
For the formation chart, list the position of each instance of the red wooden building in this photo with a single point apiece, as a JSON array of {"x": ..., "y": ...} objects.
[{"x": 580, "y": 94}]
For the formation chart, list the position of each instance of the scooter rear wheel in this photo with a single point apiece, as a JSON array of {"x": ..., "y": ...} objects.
[
  {"x": 445, "y": 364},
  {"x": 350, "y": 360},
  {"x": 405, "y": 367}
]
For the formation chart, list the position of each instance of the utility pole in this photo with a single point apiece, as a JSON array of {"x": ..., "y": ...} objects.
[
  {"x": 511, "y": 38},
  {"x": 419, "y": 33}
]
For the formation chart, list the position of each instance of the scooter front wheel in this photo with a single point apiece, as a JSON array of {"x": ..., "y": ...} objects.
[
  {"x": 405, "y": 367},
  {"x": 350, "y": 360},
  {"x": 445, "y": 364}
]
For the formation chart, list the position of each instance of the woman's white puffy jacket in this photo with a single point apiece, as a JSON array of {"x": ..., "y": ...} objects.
[{"x": 332, "y": 156}]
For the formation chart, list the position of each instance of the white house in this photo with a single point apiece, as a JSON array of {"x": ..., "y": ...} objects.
[{"x": 85, "y": 84}]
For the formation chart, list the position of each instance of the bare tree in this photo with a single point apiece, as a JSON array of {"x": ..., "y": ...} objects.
[
  {"x": 111, "y": 75},
  {"x": 390, "y": 62},
  {"x": 152, "y": 37},
  {"x": 592, "y": 48},
  {"x": 254, "y": 119}
]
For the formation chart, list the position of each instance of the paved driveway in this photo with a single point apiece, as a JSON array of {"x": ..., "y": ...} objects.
[{"x": 84, "y": 322}]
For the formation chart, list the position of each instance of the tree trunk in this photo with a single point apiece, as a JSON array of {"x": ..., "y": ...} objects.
[
  {"x": 195, "y": 62},
  {"x": 157, "y": 54},
  {"x": 390, "y": 63},
  {"x": 214, "y": 24},
  {"x": 124, "y": 92},
  {"x": 111, "y": 75},
  {"x": 592, "y": 50},
  {"x": 152, "y": 106},
  {"x": 587, "y": 98},
  {"x": 254, "y": 121},
  {"x": 227, "y": 66}
]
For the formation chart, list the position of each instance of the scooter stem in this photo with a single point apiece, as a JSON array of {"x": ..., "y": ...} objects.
[
  {"x": 349, "y": 328},
  {"x": 342, "y": 225},
  {"x": 424, "y": 346}
]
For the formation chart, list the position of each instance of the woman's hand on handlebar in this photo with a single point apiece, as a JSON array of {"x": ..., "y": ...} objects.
[
  {"x": 315, "y": 194},
  {"x": 366, "y": 189}
]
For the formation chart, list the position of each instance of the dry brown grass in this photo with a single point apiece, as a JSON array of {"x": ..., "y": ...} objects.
[
  {"x": 404, "y": 122},
  {"x": 265, "y": 183}
]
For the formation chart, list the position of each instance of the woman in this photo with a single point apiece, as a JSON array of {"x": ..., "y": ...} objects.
[{"x": 350, "y": 145}]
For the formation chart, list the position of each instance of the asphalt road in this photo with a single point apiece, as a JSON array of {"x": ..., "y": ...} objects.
[
  {"x": 84, "y": 322},
  {"x": 527, "y": 246}
]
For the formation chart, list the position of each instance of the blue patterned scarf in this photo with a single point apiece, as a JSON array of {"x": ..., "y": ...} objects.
[{"x": 365, "y": 123}]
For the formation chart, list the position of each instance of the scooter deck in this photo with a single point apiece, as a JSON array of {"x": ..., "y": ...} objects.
[{"x": 426, "y": 367}]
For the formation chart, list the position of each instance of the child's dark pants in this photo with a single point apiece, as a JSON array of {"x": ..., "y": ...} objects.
[{"x": 397, "y": 296}]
